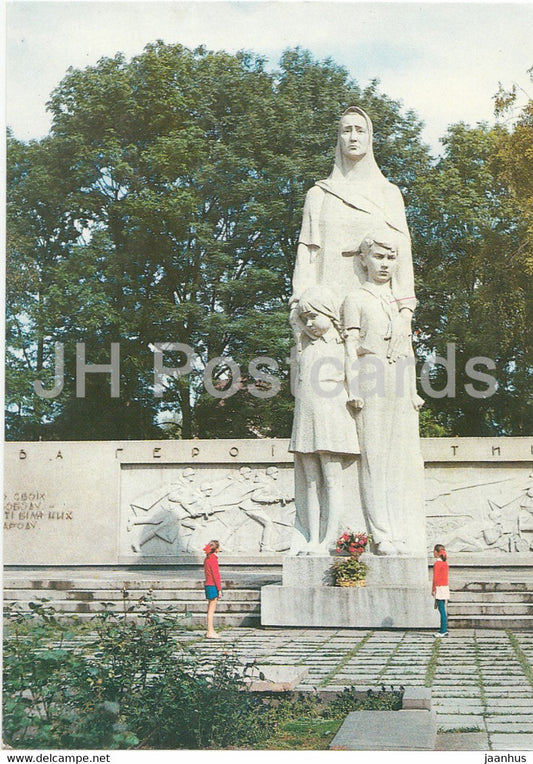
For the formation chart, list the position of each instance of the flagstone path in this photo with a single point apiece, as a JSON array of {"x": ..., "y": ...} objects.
[{"x": 481, "y": 681}]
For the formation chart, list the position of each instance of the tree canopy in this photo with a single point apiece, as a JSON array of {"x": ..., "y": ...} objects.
[{"x": 164, "y": 207}]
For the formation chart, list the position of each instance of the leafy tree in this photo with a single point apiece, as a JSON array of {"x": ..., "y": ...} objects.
[
  {"x": 476, "y": 284},
  {"x": 515, "y": 169},
  {"x": 40, "y": 235},
  {"x": 181, "y": 175}
]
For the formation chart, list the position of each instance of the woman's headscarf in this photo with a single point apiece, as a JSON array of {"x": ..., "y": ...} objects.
[
  {"x": 362, "y": 185},
  {"x": 365, "y": 170}
]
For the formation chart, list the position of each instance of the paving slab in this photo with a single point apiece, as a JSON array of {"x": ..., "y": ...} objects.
[
  {"x": 499, "y": 692},
  {"x": 386, "y": 731},
  {"x": 275, "y": 678},
  {"x": 511, "y": 742},
  {"x": 417, "y": 698},
  {"x": 456, "y": 693},
  {"x": 465, "y": 722},
  {"x": 508, "y": 724},
  {"x": 337, "y": 658},
  {"x": 450, "y": 684},
  {"x": 462, "y": 741},
  {"x": 458, "y": 708},
  {"x": 511, "y": 702}
]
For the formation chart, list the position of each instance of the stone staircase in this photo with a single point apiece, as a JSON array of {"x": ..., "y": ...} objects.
[
  {"x": 489, "y": 597},
  {"x": 482, "y": 596},
  {"x": 82, "y": 591}
]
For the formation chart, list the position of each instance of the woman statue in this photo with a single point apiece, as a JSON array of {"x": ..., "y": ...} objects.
[{"x": 339, "y": 212}]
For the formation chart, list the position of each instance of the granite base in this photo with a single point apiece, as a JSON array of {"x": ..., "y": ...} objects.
[{"x": 397, "y": 595}]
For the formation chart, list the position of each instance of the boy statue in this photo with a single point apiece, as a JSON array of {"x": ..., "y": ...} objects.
[{"x": 382, "y": 391}]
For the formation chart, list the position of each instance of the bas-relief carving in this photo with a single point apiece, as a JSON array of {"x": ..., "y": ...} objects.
[
  {"x": 486, "y": 513},
  {"x": 252, "y": 510},
  {"x": 249, "y": 510}
]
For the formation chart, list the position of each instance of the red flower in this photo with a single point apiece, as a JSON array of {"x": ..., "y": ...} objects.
[{"x": 352, "y": 542}]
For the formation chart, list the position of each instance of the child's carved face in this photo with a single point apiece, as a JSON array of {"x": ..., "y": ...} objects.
[
  {"x": 315, "y": 324},
  {"x": 380, "y": 263}
]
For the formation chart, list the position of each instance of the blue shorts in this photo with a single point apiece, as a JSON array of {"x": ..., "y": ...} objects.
[{"x": 211, "y": 592}]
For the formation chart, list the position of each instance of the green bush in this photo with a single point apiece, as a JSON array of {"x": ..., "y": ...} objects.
[
  {"x": 350, "y": 700},
  {"x": 349, "y": 569},
  {"x": 129, "y": 684}
]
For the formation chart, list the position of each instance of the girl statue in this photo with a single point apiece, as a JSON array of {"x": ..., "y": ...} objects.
[{"x": 323, "y": 432}]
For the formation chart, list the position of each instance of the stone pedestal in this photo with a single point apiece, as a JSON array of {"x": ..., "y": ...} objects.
[{"x": 397, "y": 595}]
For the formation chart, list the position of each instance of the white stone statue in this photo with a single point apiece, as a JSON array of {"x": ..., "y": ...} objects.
[
  {"x": 323, "y": 431},
  {"x": 339, "y": 211},
  {"x": 382, "y": 390}
]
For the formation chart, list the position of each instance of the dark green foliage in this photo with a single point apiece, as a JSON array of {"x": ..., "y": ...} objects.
[
  {"x": 48, "y": 697},
  {"x": 375, "y": 700},
  {"x": 165, "y": 207},
  {"x": 312, "y": 705},
  {"x": 349, "y": 569},
  {"x": 475, "y": 286}
]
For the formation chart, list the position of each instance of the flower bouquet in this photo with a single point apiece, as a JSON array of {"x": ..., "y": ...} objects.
[
  {"x": 349, "y": 572},
  {"x": 353, "y": 543}
]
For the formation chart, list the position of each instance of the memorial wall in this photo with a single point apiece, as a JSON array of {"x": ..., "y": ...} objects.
[{"x": 158, "y": 502}]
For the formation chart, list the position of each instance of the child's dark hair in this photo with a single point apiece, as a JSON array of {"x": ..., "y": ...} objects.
[
  {"x": 441, "y": 551},
  {"x": 212, "y": 546}
]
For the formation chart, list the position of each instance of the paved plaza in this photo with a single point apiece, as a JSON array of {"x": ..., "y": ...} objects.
[{"x": 481, "y": 681}]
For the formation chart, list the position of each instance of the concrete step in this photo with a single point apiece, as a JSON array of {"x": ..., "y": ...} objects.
[
  {"x": 70, "y": 606},
  {"x": 482, "y": 597},
  {"x": 12, "y": 583},
  {"x": 487, "y": 587},
  {"x": 492, "y": 608},
  {"x": 514, "y": 622},
  {"x": 157, "y": 595},
  {"x": 496, "y": 596}
]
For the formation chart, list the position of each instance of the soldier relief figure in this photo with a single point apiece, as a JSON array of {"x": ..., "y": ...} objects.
[
  {"x": 354, "y": 250},
  {"x": 248, "y": 508}
]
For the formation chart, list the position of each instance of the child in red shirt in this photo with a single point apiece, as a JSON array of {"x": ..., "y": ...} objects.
[
  {"x": 213, "y": 585},
  {"x": 440, "y": 588}
]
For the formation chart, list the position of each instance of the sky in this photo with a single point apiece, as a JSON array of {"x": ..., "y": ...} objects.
[{"x": 443, "y": 60}]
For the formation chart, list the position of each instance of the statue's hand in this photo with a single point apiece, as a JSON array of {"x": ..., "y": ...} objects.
[
  {"x": 400, "y": 343},
  {"x": 356, "y": 403},
  {"x": 294, "y": 321},
  {"x": 418, "y": 402}
]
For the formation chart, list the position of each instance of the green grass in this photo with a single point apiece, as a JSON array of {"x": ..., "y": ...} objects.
[
  {"x": 521, "y": 657},
  {"x": 433, "y": 663},
  {"x": 307, "y": 734},
  {"x": 345, "y": 659},
  {"x": 480, "y": 683},
  {"x": 459, "y": 729}
]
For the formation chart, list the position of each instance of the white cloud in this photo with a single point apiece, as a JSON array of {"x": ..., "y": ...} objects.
[{"x": 443, "y": 60}]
